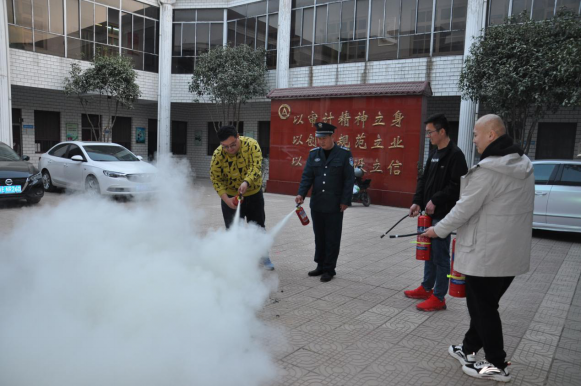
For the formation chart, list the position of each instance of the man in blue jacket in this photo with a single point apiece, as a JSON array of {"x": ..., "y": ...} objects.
[{"x": 329, "y": 171}]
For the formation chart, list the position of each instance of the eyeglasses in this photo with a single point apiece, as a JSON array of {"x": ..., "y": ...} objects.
[
  {"x": 231, "y": 146},
  {"x": 429, "y": 132}
]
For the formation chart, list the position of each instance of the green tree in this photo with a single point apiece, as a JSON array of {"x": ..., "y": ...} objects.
[
  {"x": 228, "y": 77},
  {"x": 524, "y": 69},
  {"x": 109, "y": 80}
]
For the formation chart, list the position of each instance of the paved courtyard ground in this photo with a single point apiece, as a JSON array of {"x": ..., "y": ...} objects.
[{"x": 359, "y": 329}]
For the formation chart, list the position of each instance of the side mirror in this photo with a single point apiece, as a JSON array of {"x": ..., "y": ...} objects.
[
  {"x": 25, "y": 158},
  {"x": 77, "y": 158},
  {"x": 140, "y": 158}
]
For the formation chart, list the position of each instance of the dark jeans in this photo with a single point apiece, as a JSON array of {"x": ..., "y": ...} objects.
[
  {"x": 328, "y": 228},
  {"x": 252, "y": 209},
  {"x": 482, "y": 297},
  {"x": 437, "y": 269}
]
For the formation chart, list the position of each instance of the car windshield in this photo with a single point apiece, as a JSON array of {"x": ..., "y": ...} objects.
[
  {"x": 109, "y": 153},
  {"x": 7, "y": 154}
]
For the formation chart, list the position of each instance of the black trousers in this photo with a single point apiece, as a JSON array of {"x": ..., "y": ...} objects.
[
  {"x": 482, "y": 297},
  {"x": 328, "y": 228},
  {"x": 252, "y": 210}
]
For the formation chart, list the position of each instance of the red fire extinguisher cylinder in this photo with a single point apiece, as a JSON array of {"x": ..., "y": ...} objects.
[
  {"x": 457, "y": 286},
  {"x": 424, "y": 243},
  {"x": 302, "y": 215}
]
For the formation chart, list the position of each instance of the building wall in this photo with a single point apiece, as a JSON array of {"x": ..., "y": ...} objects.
[
  {"x": 37, "y": 83},
  {"x": 442, "y": 73},
  {"x": 42, "y": 71},
  {"x": 180, "y": 85},
  {"x": 450, "y": 105},
  {"x": 30, "y": 99},
  {"x": 197, "y": 117},
  {"x": 48, "y": 72}
]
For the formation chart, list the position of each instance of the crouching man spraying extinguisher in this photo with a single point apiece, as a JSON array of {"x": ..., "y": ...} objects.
[
  {"x": 437, "y": 191},
  {"x": 494, "y": 218}
]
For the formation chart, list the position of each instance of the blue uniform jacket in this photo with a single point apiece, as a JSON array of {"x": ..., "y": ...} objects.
[{"x": 332, "y": 179}]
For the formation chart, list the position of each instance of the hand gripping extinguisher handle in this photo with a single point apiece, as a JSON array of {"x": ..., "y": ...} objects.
[{"x": 238, "y": 199}]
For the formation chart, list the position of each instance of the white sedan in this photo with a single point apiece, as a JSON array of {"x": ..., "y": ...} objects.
[
  {"x": 557, "y": 195},
  {"x": 103, "y": 168}
]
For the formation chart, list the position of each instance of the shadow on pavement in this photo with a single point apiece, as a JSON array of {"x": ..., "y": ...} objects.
[{"x": 559, "y": 236}]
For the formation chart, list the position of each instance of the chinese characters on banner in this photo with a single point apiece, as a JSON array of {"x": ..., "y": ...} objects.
[{"x": 370, "y": 133}]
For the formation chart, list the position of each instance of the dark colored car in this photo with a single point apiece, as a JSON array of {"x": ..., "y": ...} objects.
[{"x": 19, "y": 180}]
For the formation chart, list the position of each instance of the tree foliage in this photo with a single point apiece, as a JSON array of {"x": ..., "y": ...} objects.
[
  {"x": 110, "y": 80},
  {"x": 524, "y": 69},
  {"x": 228, "y": 77}
]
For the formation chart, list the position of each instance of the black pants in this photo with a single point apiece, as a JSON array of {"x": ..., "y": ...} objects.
[
  {"x": 482, "y": 297},
  {"x": 252, "y": 210},
  {"x": 328, "y": 228}
]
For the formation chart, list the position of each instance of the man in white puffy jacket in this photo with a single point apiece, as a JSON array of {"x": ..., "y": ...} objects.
[{"x": 494, "y": 222}]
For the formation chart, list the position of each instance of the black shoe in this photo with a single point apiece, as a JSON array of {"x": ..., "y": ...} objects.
[
  {"x": 316, "y": 272},
  {"x": 326, "y": 277}
]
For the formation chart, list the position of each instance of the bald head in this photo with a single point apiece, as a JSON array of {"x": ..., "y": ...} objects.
[
  {"x": 492, "y": 122},
  {"x": 486, "y": 130}
]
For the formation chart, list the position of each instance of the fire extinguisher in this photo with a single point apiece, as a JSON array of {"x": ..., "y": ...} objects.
[
  {"x": 237, "y": 199},
  {"x": 457, "y": 280},
  {"x": 302, "y": 215},
  {"x": 423, "y": 243}
]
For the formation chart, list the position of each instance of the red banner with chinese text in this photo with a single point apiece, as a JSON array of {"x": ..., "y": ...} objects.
[{"x": 384, "y": 133}]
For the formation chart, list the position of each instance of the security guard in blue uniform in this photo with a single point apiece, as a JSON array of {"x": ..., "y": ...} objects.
[{"x": 329, "y": 170}]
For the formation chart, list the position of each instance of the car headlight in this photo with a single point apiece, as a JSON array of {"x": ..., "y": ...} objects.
[
  {"x": 111, "y": 174},
  {"x": 33, "y": 179}
]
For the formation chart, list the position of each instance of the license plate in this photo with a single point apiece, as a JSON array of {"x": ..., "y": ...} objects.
[{"x": 10, "y": 189}]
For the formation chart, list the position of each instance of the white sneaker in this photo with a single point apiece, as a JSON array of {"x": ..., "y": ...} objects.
[
  {"x": 485, "y": 370},
  {"x": 458, "y": 353}
]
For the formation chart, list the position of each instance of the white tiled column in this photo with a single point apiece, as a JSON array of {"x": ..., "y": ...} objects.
[
  {"x": 164, "y": 87},
  {"x": 475, "y": 21},
  {"x": 5, "y": 100},
  {"x": 283, "y": 44}
]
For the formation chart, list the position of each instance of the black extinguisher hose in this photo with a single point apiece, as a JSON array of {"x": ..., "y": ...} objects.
[
  {"x": 408, "y": 235},
  {"x": 411, "y": 234},
  {"x": 403, "y": 218}
]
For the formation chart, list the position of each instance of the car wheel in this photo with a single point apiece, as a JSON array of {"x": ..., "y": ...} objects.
[
  {"x": 47, "y": 182},
  {"x": 365, "y": 199},
  {"x": 33, "y": 200},
  {"x": 92, "y": 185}
]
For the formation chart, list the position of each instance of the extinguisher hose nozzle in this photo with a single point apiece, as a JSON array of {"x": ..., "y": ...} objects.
[{"x": 403, "y": 218}]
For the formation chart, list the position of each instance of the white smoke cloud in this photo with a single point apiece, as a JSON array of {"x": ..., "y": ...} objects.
[{"x": 96, "y": 292}]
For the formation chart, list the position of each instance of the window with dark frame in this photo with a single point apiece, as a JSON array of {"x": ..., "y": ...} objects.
[
  {"x": 555, "y": 140},
  {"x": 121, "y": 132},
  {"x": 88, "y": 132},
  {"x": 179, "y": 131},
  {"x": 264, "y": 137},
  {"x": 194, "y": 33},
  {"x": 47, "y": 129},
  {"x": 197, "y": 30},
  {"x": 17, "y": 131},
  {"x": 92, "y": 28},
  {"x": 341, "y": 31}
]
